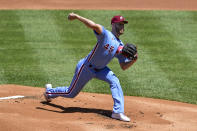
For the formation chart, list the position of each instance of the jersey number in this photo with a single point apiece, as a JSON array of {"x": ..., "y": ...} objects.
[{"x": 110, "y": 49}]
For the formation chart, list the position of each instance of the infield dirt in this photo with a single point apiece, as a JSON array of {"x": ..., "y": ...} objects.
[{"x": 89, "y": 111}]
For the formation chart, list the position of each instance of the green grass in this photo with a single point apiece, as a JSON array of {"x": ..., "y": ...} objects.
[{"x": 42, "y": 46}]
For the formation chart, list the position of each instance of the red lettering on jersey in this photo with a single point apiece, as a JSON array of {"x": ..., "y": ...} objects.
[
  {"x": 106, "y": 46},
  {"x": 111, "y": 49}
]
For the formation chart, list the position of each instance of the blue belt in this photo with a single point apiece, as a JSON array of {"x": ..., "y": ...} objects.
[{"x": 91, "y": 66}]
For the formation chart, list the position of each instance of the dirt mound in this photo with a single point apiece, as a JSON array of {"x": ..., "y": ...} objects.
[{"x": 90, "y": 112}]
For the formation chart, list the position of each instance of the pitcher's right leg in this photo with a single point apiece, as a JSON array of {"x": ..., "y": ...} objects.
[{"x": 81, "y": 77}]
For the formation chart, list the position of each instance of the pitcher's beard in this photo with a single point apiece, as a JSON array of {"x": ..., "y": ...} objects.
[{"x": 120, "y": 32}]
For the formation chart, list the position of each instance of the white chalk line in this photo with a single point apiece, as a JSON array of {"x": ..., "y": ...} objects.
[{"x": 11, "y": 97}]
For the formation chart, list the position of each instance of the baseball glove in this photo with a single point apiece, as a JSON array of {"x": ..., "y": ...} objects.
[{"x": 130, "y": 51}]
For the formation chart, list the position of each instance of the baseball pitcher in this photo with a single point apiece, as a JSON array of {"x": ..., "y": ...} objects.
[{"x": 94, "y": 65}]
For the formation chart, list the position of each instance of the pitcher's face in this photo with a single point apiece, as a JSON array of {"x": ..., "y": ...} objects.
[{"x": 118, "y": 28}]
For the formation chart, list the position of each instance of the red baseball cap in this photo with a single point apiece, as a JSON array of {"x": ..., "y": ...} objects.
[{"x": 118, "y": 18}]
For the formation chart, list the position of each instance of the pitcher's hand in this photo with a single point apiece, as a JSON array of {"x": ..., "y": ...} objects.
[{"x": 72, "y": 16}]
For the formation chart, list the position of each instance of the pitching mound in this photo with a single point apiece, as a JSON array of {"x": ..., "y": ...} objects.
[{"x": 90, "y": 112}]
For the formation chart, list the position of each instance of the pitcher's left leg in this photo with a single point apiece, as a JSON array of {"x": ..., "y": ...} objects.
[{"x": 117, "y": 94}]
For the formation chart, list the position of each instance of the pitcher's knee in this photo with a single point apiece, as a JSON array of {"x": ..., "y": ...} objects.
[
  {"x": 115, "y": 82},
  {"x": 71, "y": 95}
]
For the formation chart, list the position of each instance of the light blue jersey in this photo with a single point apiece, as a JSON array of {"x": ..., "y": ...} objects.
[
  {"x": 105, "y": 50},
  {"x": 94, "y": 65}
]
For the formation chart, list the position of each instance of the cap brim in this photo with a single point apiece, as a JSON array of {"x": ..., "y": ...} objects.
[{"x": 126, "y": 22}]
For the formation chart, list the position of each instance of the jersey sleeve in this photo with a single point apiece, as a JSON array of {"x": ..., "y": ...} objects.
[
  {"x": 122, "y": 59},
  {"x": 100, "y": 36}
]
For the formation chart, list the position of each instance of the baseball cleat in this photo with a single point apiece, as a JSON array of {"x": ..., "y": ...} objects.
[
  {"x": 120, "y": 116},
  {"x": 46, "y": 96},
  {"x": 48, "y": 86}
]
